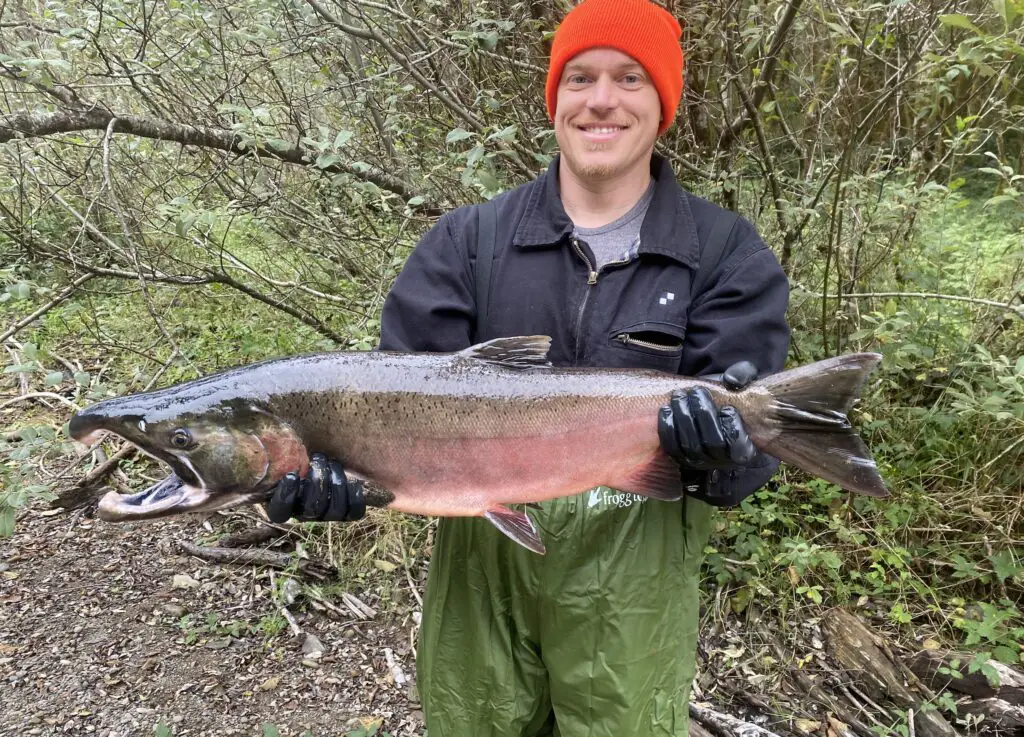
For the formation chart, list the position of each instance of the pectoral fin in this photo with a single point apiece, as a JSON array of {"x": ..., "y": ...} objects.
[
  {"x": 659, "y": 478},
  {"x": 517, "y": 526}
]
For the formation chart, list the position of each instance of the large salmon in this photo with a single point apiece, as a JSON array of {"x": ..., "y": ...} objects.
[{"x": 460, "y": 434}]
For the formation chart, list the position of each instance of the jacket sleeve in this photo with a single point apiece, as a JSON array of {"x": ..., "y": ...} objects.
[
  {"x": 431, "y": 305},
  {"x": 741, "y": 316}
]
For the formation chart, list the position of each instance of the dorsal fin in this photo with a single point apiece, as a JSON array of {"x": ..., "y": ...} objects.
[{"x": 525, "y": 351}]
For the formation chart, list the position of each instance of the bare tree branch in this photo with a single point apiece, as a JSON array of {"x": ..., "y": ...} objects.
[
  {"x": 1011, "y": 308},
  {"x": 767, "y": 72},
  {"x": 32, "y": 125}
]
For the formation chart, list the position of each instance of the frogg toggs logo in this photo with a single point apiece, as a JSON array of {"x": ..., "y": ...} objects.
[
  {"x": 609, "y": 498},
  {"x": 666, "y": 298}
]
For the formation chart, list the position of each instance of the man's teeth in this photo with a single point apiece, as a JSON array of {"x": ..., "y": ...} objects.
[{"x": 602, "y": 130}]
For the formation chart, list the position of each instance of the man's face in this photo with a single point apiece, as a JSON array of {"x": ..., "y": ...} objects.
[{"x": 607, "y": 114}]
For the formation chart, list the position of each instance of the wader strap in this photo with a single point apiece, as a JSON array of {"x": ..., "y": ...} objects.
[
  {"x": 487, "y": 233},
  {"x": 712, "y": 250}
]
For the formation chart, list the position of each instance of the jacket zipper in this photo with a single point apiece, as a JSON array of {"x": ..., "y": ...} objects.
[
  {"x": 591, "y": 281},
  {"x": 627, "y": 339}
]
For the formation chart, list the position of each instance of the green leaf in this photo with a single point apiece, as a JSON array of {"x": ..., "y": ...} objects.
[
  {"x": 474, "y": 155},
  {"x": 1006, "y": 11},
  {"x": 416, "y": 201},
  {"x": 1004, "y": 654},
  {"x": 955, "y": 20},
  {"x": 82, "y": 378},
  {"x": 278, "y": 144},
  {"x": 507, "y": 133},
  {"x": 6, "y": 521},
  {"x": 326, "y": 160},
  {"x": 53, "y": 378},
  {"x": 488, "y": 180},
  {"x": 342, "y": 138},
  {"x": 457, "y": 135},
  {"x": 30, "y": 351},
  {"x": 269, "y": 730},
  {"x": 162, "y": 730},
  {"x": 1000, "y": 199},
  {"x": 1004, "y": 565},
  {"x": 24, "y": 368}
]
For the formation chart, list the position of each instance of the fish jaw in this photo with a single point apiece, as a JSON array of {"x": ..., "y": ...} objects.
[{"x": 169, "y": 497}]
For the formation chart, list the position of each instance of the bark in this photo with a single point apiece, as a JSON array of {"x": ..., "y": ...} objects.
[
  {"x": 726, "y": 724},
  {"x": 934, "y": 666},
  {"x": 997, "y": 716},
  {"x": 863, "y": 655}
]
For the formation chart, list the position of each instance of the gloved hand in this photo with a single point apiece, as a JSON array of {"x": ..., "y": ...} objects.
[
  {"x": 325, "y": 494},
  {"x": 700, "y": 436}
]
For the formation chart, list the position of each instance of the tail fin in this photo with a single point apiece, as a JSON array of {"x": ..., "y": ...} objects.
[{"x": 808, "y": 423}]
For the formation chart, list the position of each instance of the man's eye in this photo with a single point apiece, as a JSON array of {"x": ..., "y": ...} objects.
[
  {"x": 633, "y": 79},
  {"x": 577, "y": 79}
]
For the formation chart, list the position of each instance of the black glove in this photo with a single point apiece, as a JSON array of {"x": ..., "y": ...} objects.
[
  {"x": 700, "y": 436},
  {"x": 325, "y": 494}
]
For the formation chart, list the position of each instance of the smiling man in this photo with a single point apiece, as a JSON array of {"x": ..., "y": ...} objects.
[{"x": 608, "y": 255}]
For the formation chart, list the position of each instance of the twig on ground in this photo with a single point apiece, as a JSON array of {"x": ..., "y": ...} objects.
[
  {"x": 83, "y": 492},
  {"x": 291, "y": 621},
  {"x": 60, "y": 298},
  {"x": 255, "y": 557},
  {"x": 41, "y": 395}
]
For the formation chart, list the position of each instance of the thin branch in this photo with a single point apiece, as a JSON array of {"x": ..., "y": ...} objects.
[
  {"x": 371, "y": 35},
  {"x": 34, "y": 125},
  {"x": 62, "y": 297},
  {"x": 313, "y": 322},
  {"x": 41, "y": 395},
  {"x": 766, "y": 152},
  {"x": 1012, "y": 309},
  {"x": 767, "y": 72}
]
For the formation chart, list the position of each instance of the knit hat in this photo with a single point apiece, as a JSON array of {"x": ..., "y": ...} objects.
[{"x": 639, "y": 28}]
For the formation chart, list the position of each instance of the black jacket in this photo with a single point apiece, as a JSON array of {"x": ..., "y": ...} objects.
[{"x": 638, "y": 314}]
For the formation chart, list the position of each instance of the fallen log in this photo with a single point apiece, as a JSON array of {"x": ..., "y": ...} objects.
[
  {"x": 862, "y": 654},
  {"x": 936, "y": 668},
  {"x": 698, "y": 731},
  {"x": 997, "y": 716},
  {"x": 725, "y": 724}
]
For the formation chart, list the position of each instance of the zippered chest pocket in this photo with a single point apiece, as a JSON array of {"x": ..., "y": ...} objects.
[{"x": 655, "y": 345}]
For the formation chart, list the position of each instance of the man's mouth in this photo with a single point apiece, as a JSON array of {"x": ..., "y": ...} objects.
[{"x": 598, "y": 133}]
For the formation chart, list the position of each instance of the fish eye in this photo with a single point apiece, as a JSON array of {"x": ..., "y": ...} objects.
[{"x": 181, "y": 438}]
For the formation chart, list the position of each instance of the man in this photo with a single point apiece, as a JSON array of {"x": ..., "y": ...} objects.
[{"x": 598, "y": 637}]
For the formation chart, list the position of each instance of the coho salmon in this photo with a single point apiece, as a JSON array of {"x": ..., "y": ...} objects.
[{"x": 461, "y": 434}]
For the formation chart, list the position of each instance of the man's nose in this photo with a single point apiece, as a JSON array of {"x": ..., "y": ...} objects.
[{"x": 603, "y": 95}]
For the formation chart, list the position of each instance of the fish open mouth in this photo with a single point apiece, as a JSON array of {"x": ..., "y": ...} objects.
[{"x": 165, "y": 498}]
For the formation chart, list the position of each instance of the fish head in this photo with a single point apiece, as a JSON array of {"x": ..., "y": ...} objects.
[{"x": 220, "y": 456}]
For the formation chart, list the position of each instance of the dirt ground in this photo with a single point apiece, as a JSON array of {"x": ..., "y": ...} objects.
[{"x": 110, "y": 630}]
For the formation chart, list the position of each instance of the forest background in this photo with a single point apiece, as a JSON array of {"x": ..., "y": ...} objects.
[{"x": 187, "y": 186}]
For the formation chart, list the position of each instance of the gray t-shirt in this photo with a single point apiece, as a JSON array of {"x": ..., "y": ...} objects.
[{"x": 617, "y": 241}]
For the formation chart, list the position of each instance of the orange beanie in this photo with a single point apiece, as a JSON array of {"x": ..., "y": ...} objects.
[{"x": 639, "y": 28}]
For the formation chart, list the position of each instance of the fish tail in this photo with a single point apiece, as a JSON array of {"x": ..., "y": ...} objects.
[{"x": 806, "y": 424}]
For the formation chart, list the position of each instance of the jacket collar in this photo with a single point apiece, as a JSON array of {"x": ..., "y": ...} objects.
[{"x": 668, "y": 228}]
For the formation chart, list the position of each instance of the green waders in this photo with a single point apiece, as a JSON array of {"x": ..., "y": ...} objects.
[{"x": 595, "y": 639}]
